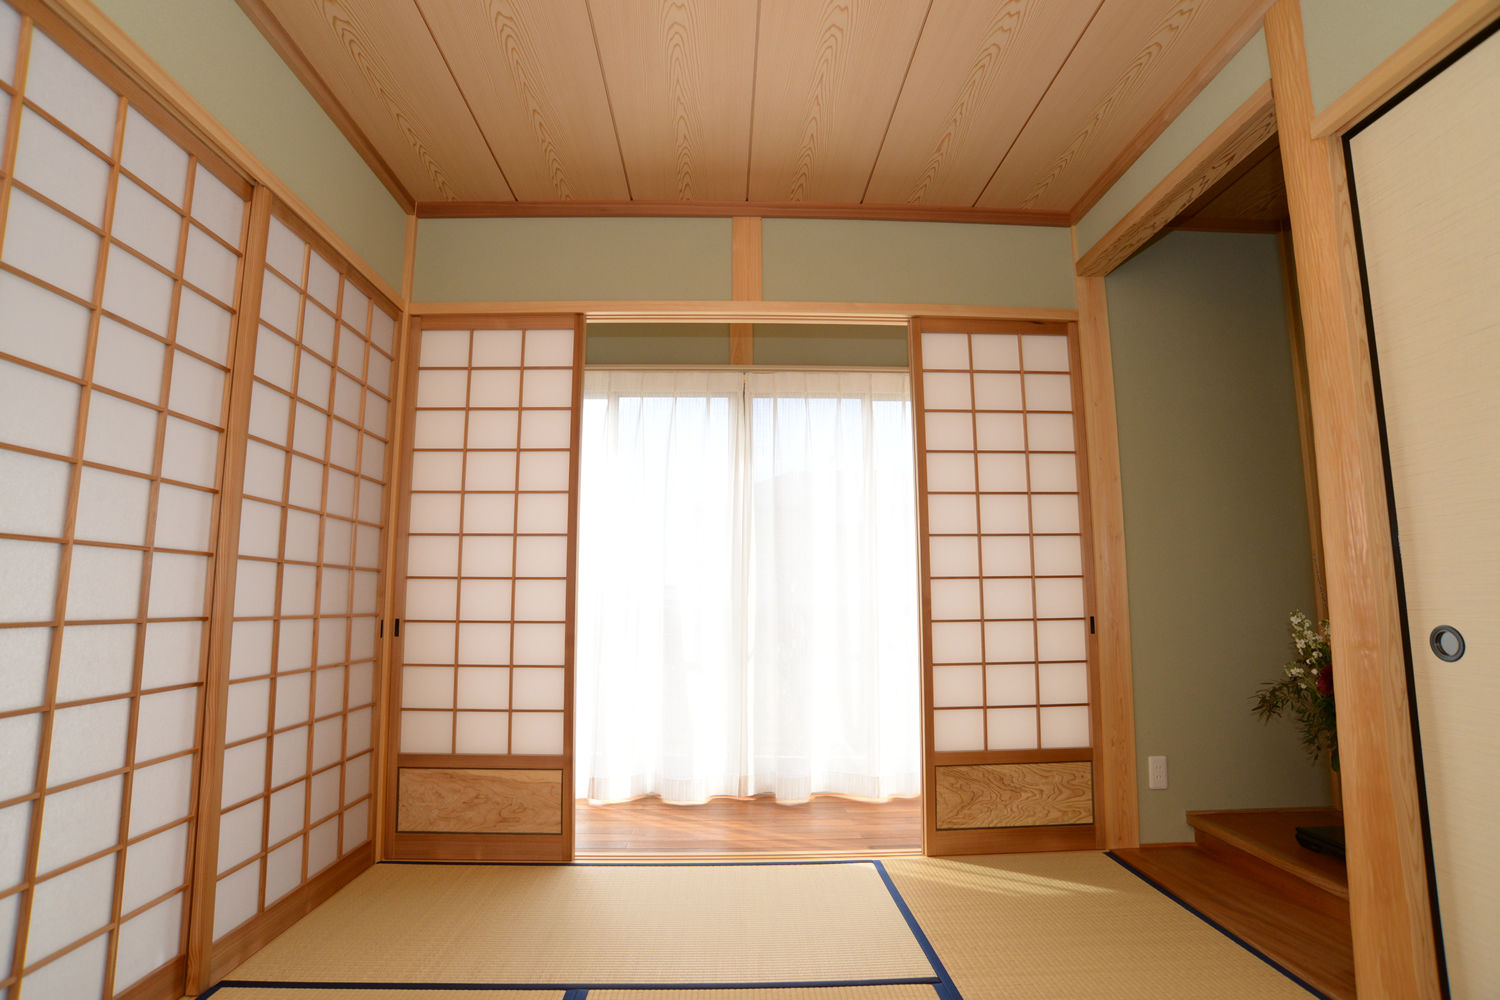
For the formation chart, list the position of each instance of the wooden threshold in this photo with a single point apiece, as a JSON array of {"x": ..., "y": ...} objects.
[{"x": 826, "y": 827}]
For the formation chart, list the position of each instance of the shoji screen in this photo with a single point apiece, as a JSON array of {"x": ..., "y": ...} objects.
[
  {"x": 484, "y": 730},
  {"x": 301, "y": 701},
  {"x": 118, "y": 277},
  {"x": 1006, "y": 596}
]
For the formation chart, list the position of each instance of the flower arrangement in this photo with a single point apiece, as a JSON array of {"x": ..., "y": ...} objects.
[{"x": 1306, "y": 689}]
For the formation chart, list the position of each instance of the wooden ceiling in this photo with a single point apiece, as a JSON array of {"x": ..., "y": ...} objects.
[{"x": 982, "y": 109}]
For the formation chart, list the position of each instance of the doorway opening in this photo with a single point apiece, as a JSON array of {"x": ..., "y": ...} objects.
[{"x": 748, "y": 672}]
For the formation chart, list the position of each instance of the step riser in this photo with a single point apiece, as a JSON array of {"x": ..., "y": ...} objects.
[{"x": 1282, "y": 882}]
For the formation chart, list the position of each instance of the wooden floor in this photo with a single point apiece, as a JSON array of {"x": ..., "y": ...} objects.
[
  {"x": 1246, "y": 873},
  {"x": 829, "y": 824}
]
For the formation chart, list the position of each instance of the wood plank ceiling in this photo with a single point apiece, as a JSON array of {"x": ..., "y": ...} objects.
[{"x": 982, "y": 109}]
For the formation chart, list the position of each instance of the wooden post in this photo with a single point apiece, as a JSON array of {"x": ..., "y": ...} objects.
[
  {"x": 1115, "y": 789},
  {"x": 744, "y": 283},
  {"x": 1390, "y": 910}
]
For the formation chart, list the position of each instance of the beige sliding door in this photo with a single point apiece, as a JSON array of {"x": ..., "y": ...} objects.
[
  {"x": 1429, "y": 214},
  {"x": 482, "y": 720},
  {"x": 1009, "y": 677}
]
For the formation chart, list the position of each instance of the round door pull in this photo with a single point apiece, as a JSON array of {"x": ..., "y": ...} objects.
[{"x": 1447, "y": 643}]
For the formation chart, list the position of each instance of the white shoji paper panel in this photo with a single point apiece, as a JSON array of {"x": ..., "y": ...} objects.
[
  {"x": 305, "y": 635},
  {"x": 1003, "y": 521},
  {"x": 488, "y": 552}
]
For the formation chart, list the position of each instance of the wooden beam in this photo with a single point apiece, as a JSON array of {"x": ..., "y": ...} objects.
[
  {"x": 1395, "y": 952},
  {"x": 745, "y": 283},
  {"x": 1225, "y": 148},
  {"x": 1449, "y": 30},
  {"x": 735, "y": 209},
  {"x": 729, "y": 311},
  {"x": 1115, "y": 788}
]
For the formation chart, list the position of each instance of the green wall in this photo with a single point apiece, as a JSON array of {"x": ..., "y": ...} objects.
[
  {"x": 1346, "y": 39},
  {"x": 826, "y": 260},
  {"x": 1215, "y": 521},
  {"x": 561, "y": 260},
  {"x": 1232, "y": 87},
  {"x": 212, "y": 49}
]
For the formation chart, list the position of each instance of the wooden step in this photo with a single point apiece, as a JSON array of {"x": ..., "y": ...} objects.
[
  {"x": 1306, "y": 940},
  {"x": 1263, "y": 842}
]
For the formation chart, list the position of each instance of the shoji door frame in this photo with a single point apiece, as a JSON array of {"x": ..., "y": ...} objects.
[
  {"x": 1041, "y": 837},
  {"x": 1115, "y": 801},
  {"x": 396, "y": 844}
]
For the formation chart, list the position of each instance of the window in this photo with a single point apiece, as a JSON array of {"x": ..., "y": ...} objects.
[{"x": 747, "y": 586}]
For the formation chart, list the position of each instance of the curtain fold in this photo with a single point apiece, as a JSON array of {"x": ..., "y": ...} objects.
[{"x": 747, "y": 604}]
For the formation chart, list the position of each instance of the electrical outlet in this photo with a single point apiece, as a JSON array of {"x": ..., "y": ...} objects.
[{"x": 1157, "y": 767}]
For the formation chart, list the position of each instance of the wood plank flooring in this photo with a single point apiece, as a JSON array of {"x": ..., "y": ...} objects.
[
  {"x": 829, "y": 824},
  {"x": 1309, "y": 938}
]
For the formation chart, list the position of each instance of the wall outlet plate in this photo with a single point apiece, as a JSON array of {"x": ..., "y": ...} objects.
[{"x": 1156, "y": 768}]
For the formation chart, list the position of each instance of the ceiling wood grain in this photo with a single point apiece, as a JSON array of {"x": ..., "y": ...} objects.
[
  {"x": 978, "y": 73},
  {"x": 1002, "y": 109},
  {"x": 1132, "y": 60},
  {"x": 530, "y": 71},
  {"x": 680, "y": 76},
  {"x": 382, "y": 66},
  {"x": 827, "y": 76}
]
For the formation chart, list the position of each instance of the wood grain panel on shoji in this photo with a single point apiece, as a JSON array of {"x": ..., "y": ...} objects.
[
  {"x": 981, "y": 796},
  {"x": 1429, "y": 222}
]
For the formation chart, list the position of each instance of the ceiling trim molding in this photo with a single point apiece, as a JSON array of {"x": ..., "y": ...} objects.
[
  {"x": 1154, "y": 126},
  {"x": 302, "y": 68},
  {"x": 1241, "y": 134},
  {"x": 731, "y": 209}
]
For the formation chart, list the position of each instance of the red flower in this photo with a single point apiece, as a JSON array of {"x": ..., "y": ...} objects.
[{"x": 1325, "y": 680}]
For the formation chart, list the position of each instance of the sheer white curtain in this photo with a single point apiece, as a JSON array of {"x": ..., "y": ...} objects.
[{"x": 747, "y": 605}]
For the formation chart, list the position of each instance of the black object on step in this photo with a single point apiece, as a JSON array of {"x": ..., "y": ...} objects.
[{"x": 1323, "y": 839}]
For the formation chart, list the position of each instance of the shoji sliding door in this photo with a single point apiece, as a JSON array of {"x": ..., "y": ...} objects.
[
  {"x": 483, "y": 722},
  {"x": 300, "y": 712},
  {"x": 1006, "y": 596},
  {"x": 119, "y": 273}
]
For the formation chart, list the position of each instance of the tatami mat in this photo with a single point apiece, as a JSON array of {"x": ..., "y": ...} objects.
[
  {"x": 604, "y": 925},
  {"x": 292, "y": 993},
  {"x": 1071, "y": 925},
  {"x": 907, "y": 992}
]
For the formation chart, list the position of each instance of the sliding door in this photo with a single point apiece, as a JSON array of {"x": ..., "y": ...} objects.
[
  {"x": 120, "y": 269},
  {"x": 298, "y": 717},
  {"x": 1007, "y": 627},
  {"x": 482, "y": 721},
  {"x": 1429, "y": 224}
]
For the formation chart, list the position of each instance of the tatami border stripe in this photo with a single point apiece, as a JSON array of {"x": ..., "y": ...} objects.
[
  {"x": 946, "y": 990},
  {"x": 579, "y": 988},
  {"x": 1217, "y": 926}
]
